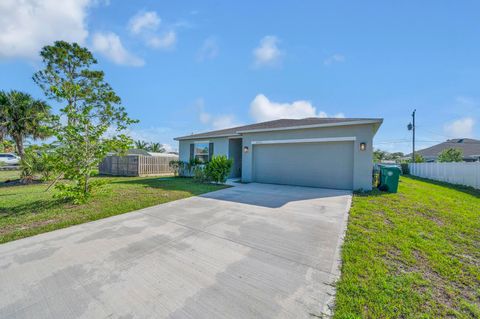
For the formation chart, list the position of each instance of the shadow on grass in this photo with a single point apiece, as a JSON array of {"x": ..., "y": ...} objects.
[
  {"x": 461, "y": 188},
  {"x": 374, "y": 192},
  {"x": 34, "y": 207},
  {"x": 17, "y": 182}
]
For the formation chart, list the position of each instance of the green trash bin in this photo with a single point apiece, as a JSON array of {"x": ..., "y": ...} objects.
[{"x": 389, "y": 176}]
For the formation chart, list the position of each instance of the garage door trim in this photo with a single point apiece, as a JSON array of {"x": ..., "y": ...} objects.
[{"x": 307, "y": 140}]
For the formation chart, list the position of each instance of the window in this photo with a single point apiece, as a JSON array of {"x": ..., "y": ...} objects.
[{"x": 201, "y": 152}]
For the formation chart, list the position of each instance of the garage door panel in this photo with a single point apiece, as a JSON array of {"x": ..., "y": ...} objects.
[{"x": 328, "y": 165}]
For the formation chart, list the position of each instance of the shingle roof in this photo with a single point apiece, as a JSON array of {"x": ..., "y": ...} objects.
[
  {"x": 276, "y": 124},
  {"x": 470, "y": 147},
  {"x": 137, "y": 151}
]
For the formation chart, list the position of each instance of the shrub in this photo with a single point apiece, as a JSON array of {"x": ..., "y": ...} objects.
[
  {"x": 27, "y": 166},
  {"x": 405, "y": 168},
  {"x": 191, "y": 164},
  {"x": 37, "y": 161},
  {"x": 46, "y": 165},
  {"x": 199, "y": 174},
  {"x": 7, "y": 146},
  {"x": 218, "y": 168},
  {"x": 451, "y": 155},
  {"x": 187, "y": 168},
  {"x": 75, "y": 192},
  {"x": 175, "y": 165}
]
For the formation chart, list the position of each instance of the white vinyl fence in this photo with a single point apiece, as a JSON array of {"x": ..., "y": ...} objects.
[{"x": 455, "y": 173}]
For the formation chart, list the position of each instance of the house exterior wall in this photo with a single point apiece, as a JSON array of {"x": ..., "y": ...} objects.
[
  {"x": 362, "y": 160},
  {"x": 220, "y": 147}
]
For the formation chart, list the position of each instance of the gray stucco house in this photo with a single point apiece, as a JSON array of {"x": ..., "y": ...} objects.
[{"x": 318, "y": 152}]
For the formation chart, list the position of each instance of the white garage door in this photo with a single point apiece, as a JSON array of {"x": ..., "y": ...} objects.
[{"x": 325, "y": 164}]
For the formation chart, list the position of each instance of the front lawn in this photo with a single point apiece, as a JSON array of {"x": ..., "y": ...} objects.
[
  {"x": 8, "y": 175},
  {"x": 415, "y": 254},
  {"x": 29, "y": 210}
]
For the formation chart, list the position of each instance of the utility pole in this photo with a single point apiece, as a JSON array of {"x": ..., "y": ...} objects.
[{"x": 411, "y": 127}]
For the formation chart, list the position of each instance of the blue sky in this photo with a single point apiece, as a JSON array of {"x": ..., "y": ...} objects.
[{"x": 191, "y": 66}]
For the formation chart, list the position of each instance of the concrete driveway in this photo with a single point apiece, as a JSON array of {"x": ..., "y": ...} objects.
[{"x": 251, "y": 251}]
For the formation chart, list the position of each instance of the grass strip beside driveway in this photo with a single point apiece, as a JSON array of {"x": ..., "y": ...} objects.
[
  {"x": 414, "y": 254},
  {"x": 27, "y": 210}
]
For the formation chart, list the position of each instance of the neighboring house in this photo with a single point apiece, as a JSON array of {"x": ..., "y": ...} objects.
[
  {"x": 319, "y": 152},
  {"x": 163, "y": 154},
  {"x": 136, "y": 151},
  {"x": 469, "y": 147}
]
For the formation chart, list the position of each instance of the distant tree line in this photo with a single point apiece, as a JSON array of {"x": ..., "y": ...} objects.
[
  {"x": 380, "y": 155},
  {"x": 446, "y": 156}
]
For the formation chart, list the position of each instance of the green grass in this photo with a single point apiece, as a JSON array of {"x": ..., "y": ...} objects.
[
  {"x": 414, "y": 254},
  {"x": 28, "y": 210},
  {"x": 9, "y": 175}
]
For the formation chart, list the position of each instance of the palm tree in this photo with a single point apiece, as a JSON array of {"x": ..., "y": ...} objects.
[
  {"x": 141, "y": 145},
  {"x": 156, "y": 148},
  {"x": 22, "y": 116}
]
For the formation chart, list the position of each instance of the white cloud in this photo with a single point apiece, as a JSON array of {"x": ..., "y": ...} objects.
[
  {"x": 460, "y": 128},
  {"x": 217, "y": 122},
  {"x": 146, "y": 26},
  {"x": 209, "y": 49},
  {"x": 144, "y": 21},
  {"x": 335, "y": 58},
  {"x": 28, "y": 25},
  {"x": 224, "y": 121},
  {"x": 165, "y": 41},
  {"x": 110, "y": 45},
  {"x": 267, "y": 53},
  {"x": 262, "y": 109}
]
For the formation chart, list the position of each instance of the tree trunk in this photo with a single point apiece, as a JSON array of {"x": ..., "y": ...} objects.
[
  {"x": 19, "y": 144},
  {"x": 86, "y": 185}
]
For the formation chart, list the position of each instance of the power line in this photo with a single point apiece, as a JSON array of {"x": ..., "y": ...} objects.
[{"x": 402, "y": 142}]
